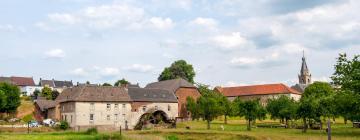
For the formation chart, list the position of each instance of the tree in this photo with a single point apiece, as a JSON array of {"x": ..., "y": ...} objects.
[
  {"x": 192, "y": 107},
  {"x": 12, "y": 94},
  {"x": 2, "y": 100},
  {"x": 36, "y": 93},
  {"x": 121, "y": 82},
  {"x": 54, "y": 94},
  {"x": 107, "y": 85},
  {"x": 316, "y": 102},
  {"x": 227, "y": 107},
  {"x": 347, "y": 78},
  {"x": 47, "y": 93},
  {"x": 209, "y": 105},
  {"x": 283, "y": 108},
  {"x": 178, "y": 69},
  {"x": 250, "y": 109}
]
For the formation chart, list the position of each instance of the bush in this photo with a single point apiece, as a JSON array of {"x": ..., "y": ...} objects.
[
  {"x": 172, "y": 137},
  {"x": 91, "y": 131},
  {"x": 64, "y": 125}
]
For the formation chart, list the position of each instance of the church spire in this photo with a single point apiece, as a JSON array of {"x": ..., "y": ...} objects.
[{"x": 304, "y": 76}]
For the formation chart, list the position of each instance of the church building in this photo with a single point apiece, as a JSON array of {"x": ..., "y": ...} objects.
[{"x": 304, "y": 77}]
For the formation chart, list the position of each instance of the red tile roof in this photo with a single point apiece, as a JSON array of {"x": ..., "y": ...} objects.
[
  {"x": 256, "y": 90},
  {"x": 23, "y": 81}
]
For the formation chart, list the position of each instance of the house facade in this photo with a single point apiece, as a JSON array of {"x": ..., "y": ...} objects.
[
  {"x": 108, "y": 108},
  {"x": 262, "y": 92},
  {"x": 181, "y": 89},
  {"x": 26, "y": 84}
]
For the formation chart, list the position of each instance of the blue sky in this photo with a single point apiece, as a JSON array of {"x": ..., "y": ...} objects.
[{"x": 229, "y": 42}]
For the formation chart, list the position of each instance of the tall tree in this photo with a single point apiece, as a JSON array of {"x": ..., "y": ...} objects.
[
  {"x": 283, "y": 108},
  {"x": 46, "y": 92},
  {"x": 316, "y": 102},
  {"x": 178, "y": 69},
  {"x": 192, "y": 107},
  {"x": 121, "y": 82},
  {"x": 54, "y": 94},
  {"x": 106, "y": 85},
  {"x": 12, "y": 94},
  {"x": 347, "y": 78},
  {"x": 227, "y": 107},
  {"x": 209, "y": 105},
  {"x": 2, "y": 100},
  {"x": 250, "y": 109}
]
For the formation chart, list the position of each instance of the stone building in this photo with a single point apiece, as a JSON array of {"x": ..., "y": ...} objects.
[
  {"x": 304, "y": 77},
  {"x": 262, "y": 92},
  {"x": 181, "y": 89},
  {"x": 108, "y": 108}
]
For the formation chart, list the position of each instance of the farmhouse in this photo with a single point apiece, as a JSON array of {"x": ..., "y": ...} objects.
[
  {"x": 181, "y": 89},
  {"x": 26, "y": 84},
  {"x": 111, "y": 107},
  {"x": 263, "y": 92}
]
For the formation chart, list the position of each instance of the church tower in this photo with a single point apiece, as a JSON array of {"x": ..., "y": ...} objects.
[{"x": 304, "y": 76}]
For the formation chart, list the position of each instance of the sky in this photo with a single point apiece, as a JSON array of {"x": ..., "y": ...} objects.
[{"x": 228, "y": 42}]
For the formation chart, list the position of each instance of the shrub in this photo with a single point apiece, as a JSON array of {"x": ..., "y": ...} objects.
[
  {"x": 91, "y": 131},
  {"x": 64, "y": 125},
  {"x": 172, "y": 137},
  {"x": 27, "y": 118}
]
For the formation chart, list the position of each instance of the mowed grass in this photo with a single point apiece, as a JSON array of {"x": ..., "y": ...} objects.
[{"x": 234, "y": 130}]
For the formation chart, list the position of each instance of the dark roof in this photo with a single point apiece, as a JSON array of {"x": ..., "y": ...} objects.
[
  {"x": 299, "y": 87},
  {"x": 133, "y": 86},
  {"x": 63, "y": 83},
  {"x": 49, "y": 83},
  {"x": 23, "y": 81},
  {"x": 94, "y": 93},
  {"x": 45, "y": 104},
  {"x": 304, "y": 67},
  {"x": 256, "y": 90},
  {"x": 56, "y": 83},
  {"x": 5, "y": 80},
  {"x": 171, "y": 85},
  {"x": 151, "y": 95}
]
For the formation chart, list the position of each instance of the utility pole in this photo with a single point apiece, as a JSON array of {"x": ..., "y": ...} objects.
[
  {"x": 120, "y": 130},
  {"x": 329, "y": 129}
]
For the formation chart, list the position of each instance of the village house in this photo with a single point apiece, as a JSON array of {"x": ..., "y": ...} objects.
[
  {"x": 56, "y": 84},
  {"x": 181, "y": 89},
  {"x": 108, "y": 108},
  {"x": 26, "y": 84},
  {"x": 262, "y": 92}
]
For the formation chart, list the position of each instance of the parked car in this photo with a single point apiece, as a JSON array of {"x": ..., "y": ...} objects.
[
  {"x": 33, "y": 123},
  {"x": 49, "y": 122}
]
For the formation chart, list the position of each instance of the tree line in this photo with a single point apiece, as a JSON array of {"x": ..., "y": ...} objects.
[{"x": 320, "y": 101}]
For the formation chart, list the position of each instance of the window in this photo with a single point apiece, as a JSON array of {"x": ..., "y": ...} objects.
[
  {"x": 108, "y": 117},
  {"x": 123, "y": 105},
  {"x": 115, "y": 117},
  {"x": 108, "y": 106},
  {"x": 92, "y": 106},
  {"x": 116, "y": 106},
  {"x": 71, "y": 118},
  {"x": 63, "y": 108},
  {"x": 169, "y": 108},
  {"x": 144, "y": 108},
  {"x": 91, "y": 117},
  {"x": 156, "y": 107},
  {"x": 65, "y": 117}
]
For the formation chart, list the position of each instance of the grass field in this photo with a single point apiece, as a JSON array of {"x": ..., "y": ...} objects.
[{"x": 235, "y": 129}]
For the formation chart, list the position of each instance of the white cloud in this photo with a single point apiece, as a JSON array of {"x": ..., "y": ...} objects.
[
  {"x": 161, "y": 23},
  {"x": 55, "y": 53},
  {"x": 79, "y": 72},
  {"x": 245, "y": 61},
  {"x": 139, "y": 68},
  {"x": 64, "y": 18},
  {"x": 208, "y": 23},
  {"x": 109, "y": 71},
  {"x": 231, "y": 41}
]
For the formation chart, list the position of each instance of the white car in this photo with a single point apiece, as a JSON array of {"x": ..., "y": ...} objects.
[{"x": 49, "y": 122}]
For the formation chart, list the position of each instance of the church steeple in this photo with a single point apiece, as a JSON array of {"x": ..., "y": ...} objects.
[{"x": 304, "y": 76}]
